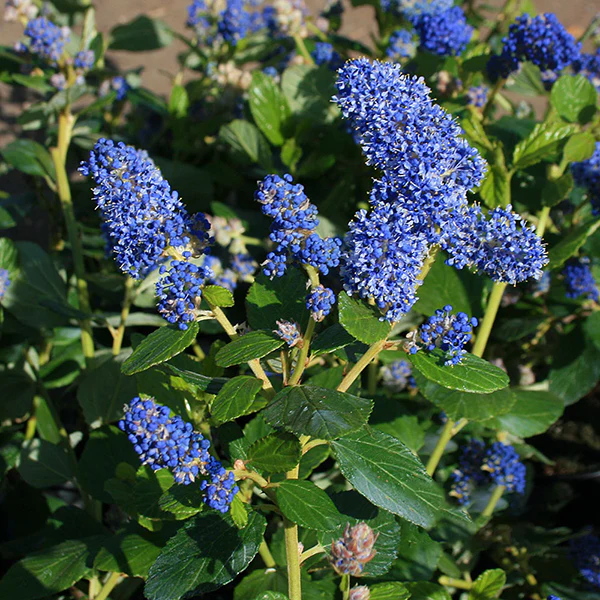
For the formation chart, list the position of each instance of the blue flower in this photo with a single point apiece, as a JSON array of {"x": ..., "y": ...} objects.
[
  {"x": 165, "y": 442},
  {"x": 289, "y": 332},
  {"x": 244, "y": 265},
  {"x": 500, "y": 245},
  {"x": 468, "y": 474},
  {"x": 119, "y": 84},
  {"x": 411, "y": 8},
  {"x": 84, "y": 60},
  {"x": 504, "y": 467},
  {"x": 325, "y": 54},
  {"x": 541, "y": 40},
  {"x": 444, "y": 330},
  {"x": 397, "y": 376},
  {"x": 401, "y": 45},
  {"x": 319, "y": 302},
  {"x": 4, "y": 282},
  {"x": 234, "y": 22},
  {"x": 477, "y": 96},
  {"x": 587, "y": 175},
  {"x": 444, "y": 33},
  {"x": 585, "y": 552},
  {"x": 46, "y": 39},
  {"x": 589, "y": 66},
  {"x": 144, "y": 219},
  {"x": 197, "y": 15},
  {"x": 579, "y": 279}
]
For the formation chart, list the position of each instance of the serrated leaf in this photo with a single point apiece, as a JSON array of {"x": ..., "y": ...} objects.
[
  {"x": 570, "y": 244},
  {"x": 275, "y": 453},
  {"x": 302, "y": 502},
  {"x": 269, "y": 107},
  {"x": 235, "y": 398},
  {"x": 574, "y": 97},
  {"x": 423, "y": 590},
  {"x": 390, "y": 590},
  {"x": 140, "y": 35},
  {"x": 361, "y": 320},
  {"x": 255, "y": 344},
  {"x": 473, "y": 374},
  {"x": 542, "y": 143},
  {"x": 247, "y": 142},
  {"x": 218, "y": 296},
  {"x": 318, "y": 412},
  {"x": 205, "y": 554},
  {"x": 205, "y": 383},
  {"x": 159, "y": 347},
  {"x": 488, "y": 585},
  {"x": 182, "y": 501},
  {"x": 385, "y": 471}
]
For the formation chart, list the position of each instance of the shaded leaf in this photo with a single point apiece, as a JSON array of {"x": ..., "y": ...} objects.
[
  {"x": 255, "y": 344},
  {"x": 361, "y": 320},
  {"x": 235, "y": 398},
  {"x": 275, "y": 453}
]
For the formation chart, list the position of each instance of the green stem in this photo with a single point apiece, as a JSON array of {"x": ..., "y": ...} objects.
[
  {"x": 59, "y": 157},
  {"x": 318, "y": 549},
  {"x": 302, "y": 49},
  {"x": 303, "y": 355},
  {"x": 492, "y": 97},
  {"x": 266, "y": 555},
  {"x": 345, "y": 586},
  {"x": 252, "y": 475},
  {"x": 127, "y": 301},
  {"x": 108, "y": 587},
  {"x": 485, "y": 328},
  {"x": 494, "y": 499},
  {"x": 372, "y": 373},
  {"x": 362, "y": 363},
  {"x": 438, "y": 451},
  {"x": 543, "y": 221},
  {"x": 461, "y": 584},
  {"x": 292, "y": 552}
]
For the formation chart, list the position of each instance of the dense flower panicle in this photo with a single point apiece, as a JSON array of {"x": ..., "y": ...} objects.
[
  {"x": 197, "y": 15},
  {"x": 359, "y": 592},
  {"x": 579, "y": 279},
  {"x": 20, "y": 9},
  {"x": 322, "y": 253},
  {"x": 469, "y": 473},
  {"x": 587, "y": 175},
  {"x": 585, "y": 553},
  {"x": 319, "y": 302},
  {"x": 46, "y": 39},
  {"x": 411, "y": 8},
  {"x": 383, "y": 258},
  {"x": 4, "y": 282},
  {"x": 444, "y": 330},
  {"x": 84, "y": 60},
  {"x": 499, "y": 245},
  {"x": 589, "y": 66},
  {"x": 542, "y": 40},
  {"x": 179, "y": 291},
  {"x": 504, "y": 467},
  {"x": 401, "y": 45},
  {"x": 351, "y": 552},
  {"x": 397, "y": 376},
  {"x": 325, "y": 54},
  {"x": 289, "y": 332},
  {"x": 243, "y": 265},
  {"x": 165, "y": 442},
  {"x": 477, "y": 96},
  {"x": 444, "y": 33},
  {"x": 234, "y": 22},
  {"x": 143, "y": 217}
]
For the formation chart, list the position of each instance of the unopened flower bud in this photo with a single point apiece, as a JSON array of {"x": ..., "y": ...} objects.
[
  {"x": 360, "y": 592},
  {"x": 353, "y": 550}
]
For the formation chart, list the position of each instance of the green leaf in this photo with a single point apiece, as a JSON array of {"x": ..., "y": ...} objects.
[
  {"x": 542, "y": 143},
  {"x": 591, "y": 327},
  {"x": 280, "y": 298},
  {"x": 29, "y": 157},
  {"x": 533, "y": 412},
  {"x": 390, "y": 590},
  {"x": 190, "y": 181},
  {"x": 574, "y": 97},
  {"x": 140, "y": 35},
  {"x": 159, "y": 347},
  {"x": 182, "y": 501},
  {"x": 418, "y": 554},
  {"x": 179, "y": 101},
  {"x": 218, "y": 296},
  {"x": 16, "y": 394},
  {"x": 43, "y": 464},
  {"x": 308, "y": 91},
  {"x": 255, "y": 344},
  {"x": 571, "y": 243},
  {"x": 269, "y": 107},
  {"x": 495, "y": 189},
  {"x": 473, "y": 374},
  {"x": 458, "y": 405},
  {"x": 427, "y": 591},
  {"x": 149, "y": 488},
  {"x": 318, "y": 412},
  {"x": 271, "y": 596},
  {"x": 247, "y": 142},
  {"x": 302, "y": 502},
  {"x": 103, "y": 391},
  {"x": 488, "y": 585},
  {"x": 276, "y": 453},
  {"x": 34, "y": 82},
  {"x": 205, "y": 554},
  {"x": 361, "y": 320},
  {"x": 331, "y": 339},
  {"x": 235, "y": 399},
  {"x": 385, "y": 471},
  {"x": 47, "y": 572},
  {"x": 579, "y": 146},
  {"x": 211, "y": 385},
  {"x": 556, "y": 190}
]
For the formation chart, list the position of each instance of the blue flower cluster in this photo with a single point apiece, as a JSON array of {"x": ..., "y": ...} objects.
[
  {"x": 579, "y": 279},
  {"x": 4, "y": 282},
  {"x": 397, "y": 376},
  {"x": 499, "y": 464},
  {"x": 444, "y": 33},
  {"x": 46, "y": 39},
  {"x": 401, "y": 45},
  {"x": 412, "y": 8},
  {"x": 499, "y": 245},
  {"x": 585, "y": 553},
  {"x": 165, "y": 442},
  {"x": 289, "y": 332},
  {"x": 351, "y": 552},
  {"x": 325, "y": 54},
  {"x": 588, "y": 65},
  {"x": 587, "y": 175},
  {"x": 84, "y": 60},
  {"x": 477, "y": 96},
  {"x": 319, "y": 302},
  {"x": 234, "y": 22},
  {"x": 292, "y": 230},
  {"x": 551, "y": 597},
  {"x": 541, "y": 40},
  {"x": 451, "y": 333}
]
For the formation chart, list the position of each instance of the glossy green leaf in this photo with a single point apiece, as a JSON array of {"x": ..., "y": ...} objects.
[
  {"x": 386, "y": 472},
  {"x": 149, "y": 488},
  {"x": 218, "y": 296},
  {"x": 255, "y": 344},
  {"x": 473, "y": 374},
  {"x": 331, "y": 339},
  {"x": 574, "y": 97},
  {"x": 247, "y": 142},
  {"x": 140, "y": 35},
  {"x": 269, "y": 107},
  {"x": 271, "y": 596},
  {"x": 361, "y": 320},
  {"x": 591, "y": 327},
  {"x": 390, "y": 590},
  {"x": 205, "y": 383},
  {"x": 488, "y": 585},
  {"x": 159, "y": 347},
  {"x": 182, "y": 501},
  {"x": 275, "y": 453},
  {"x": 302, "y": 502},
  {"x": 427, "y": 591},
  {"x": 308, "y": 91},
  {"x": 235, "y": 398},
  {"x": 29, "y": 157},
  {"x": 557, "y": 190},
  {"x": 570, "y": 244},
  {"x": 579, "y": 146},
  {"x": 542, "y": 143},
  {"x": 495, "y": 189},
  {"x": 43, "y": 464},
  {"x": 418, "y": 554},
  {"x": 318, "y": 412},
  {"x": 205, "y": 554}
]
